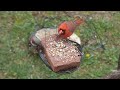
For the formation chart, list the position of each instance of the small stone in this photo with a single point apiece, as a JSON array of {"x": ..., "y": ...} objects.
[
  {"x": 33, "y": 66},
  {"x": 5, "y": 74}
]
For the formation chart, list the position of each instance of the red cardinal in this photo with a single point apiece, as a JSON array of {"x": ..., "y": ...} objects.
[{"x": 67, "y": 28}]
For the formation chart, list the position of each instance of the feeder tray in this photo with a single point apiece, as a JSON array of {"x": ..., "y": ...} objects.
[{"x": 58, "y": 55}]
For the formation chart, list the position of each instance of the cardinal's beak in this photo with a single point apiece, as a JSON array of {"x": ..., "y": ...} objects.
[{"x": 60, "y": 32}]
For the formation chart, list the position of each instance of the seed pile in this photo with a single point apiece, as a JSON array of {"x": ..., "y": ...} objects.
[{"x": 62, "y": 50}]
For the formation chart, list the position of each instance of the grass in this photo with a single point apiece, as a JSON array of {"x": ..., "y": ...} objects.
[{"x": 17, "y": 62}]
